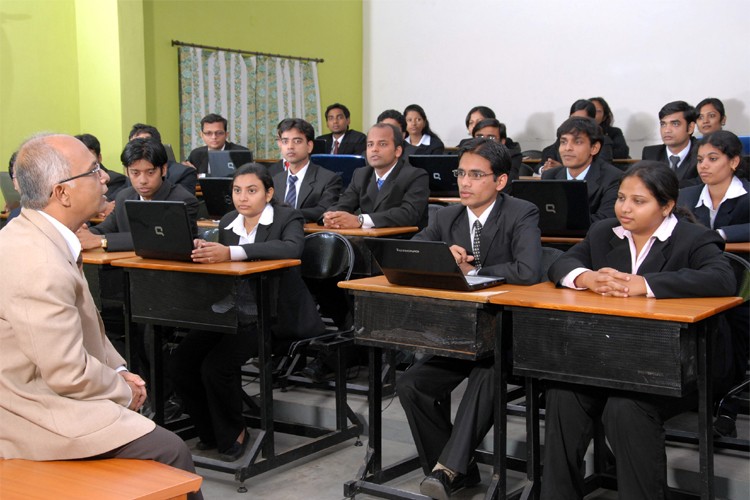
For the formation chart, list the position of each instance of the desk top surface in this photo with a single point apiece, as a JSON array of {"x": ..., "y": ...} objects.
[
  {"x": 99, "y": 256},
  {"x": 375, "y": 232},
  {"x": 738, "y": 247},
  {"x": 380, "y": 284},
  {"x": 449, "y": 200},
  {"x": 224, "y": 268},
  {"x": 208, "y": 223},
  {"x": 547, "y": 296}
]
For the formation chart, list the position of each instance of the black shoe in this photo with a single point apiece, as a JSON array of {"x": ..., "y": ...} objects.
[
  {"x": 725, "y": 426},
  {"x": 173, "y": 408},
  {"x": 203, "y": 446},
  {"x": 317, "y": 371},
  {"x": 236, "y": 450},
  {"x": 438, "y": 484}
]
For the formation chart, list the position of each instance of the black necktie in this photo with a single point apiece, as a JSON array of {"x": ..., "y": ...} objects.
[
  {"x": 79, "y": 261},
  {"x": 674, "y": 160},
  {"x": 475, "y": 244},
  {"x": 291, "y": 192}
]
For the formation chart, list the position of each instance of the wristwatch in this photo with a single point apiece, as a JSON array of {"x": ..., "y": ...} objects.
[
  {"x": 361, "y": 219},
  {"x": 104, "y": 242}
]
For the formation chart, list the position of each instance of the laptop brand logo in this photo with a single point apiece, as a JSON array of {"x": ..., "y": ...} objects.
[
  {"x": 550, "y": 207},
  {"x": 406, "y": 250},
  {"x": 159, "y": 230},
  {"x": 436, "y": 176}
]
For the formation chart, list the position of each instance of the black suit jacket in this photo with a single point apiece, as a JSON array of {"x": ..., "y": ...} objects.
[
  {"x": 687, "y": 171},
  {"x": 690, "y": 263},
  {"x": 602, "y": 183},
  {"x": 199, "y": 156},
  {"x": 320, "y": 189},
  {"x": 296, "y": 312},
  {"x": 510, "y": 243},
  {"x": 620, "y": 149},
  {"x": 402, "y": 201},
  {"x": 733, "y": 217},
  {"x": 116, "y": 226},
  {"x": 353, "y": 143},
  {"x": 117, "y": 182}
]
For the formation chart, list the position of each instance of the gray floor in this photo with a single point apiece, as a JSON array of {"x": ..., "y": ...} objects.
[{"x": 323, "y": 475}]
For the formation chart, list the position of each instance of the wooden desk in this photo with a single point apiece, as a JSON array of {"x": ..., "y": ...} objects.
[
  {"x": 738, "y": 248},
  {"x": 634, "y": 344},
  {"x": 183, "y": 294},
  {"x": 364, "y": 262},
  {"x": 456, "y": 324},
  {"x": 105, "y": 281},
  {"x": 208, "y": 223},
  {"x": 112, "y": 479},
  {"x": 445, "y": 200}
]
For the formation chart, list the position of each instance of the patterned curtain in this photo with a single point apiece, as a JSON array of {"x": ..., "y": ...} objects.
[{"x": 254, "y": 93}]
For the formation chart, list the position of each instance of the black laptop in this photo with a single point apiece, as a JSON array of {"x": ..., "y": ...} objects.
[
  {"x": 224, "y": 163},
  {"x": 425, "y": 264},
  {"x": 344, "y": 165},
  {"x": 217, "y": 193},
  {"x": 440, "y": 169},
  {"x": 160, "y": 229},
  {"x": 563, "y": 205},
  {"x": 11, "y": 196}
]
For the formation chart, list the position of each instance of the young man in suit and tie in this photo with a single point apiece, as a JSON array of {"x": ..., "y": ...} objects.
[
  {"x": 387, "y": 193},
  {"x": 676, "y": 125},
  {"x": 308, "y": 187},
  {"x": 489, "y": 233},
  {"x": 178, "y": 174},
  {"x": 342, "y": 140},
  {"x": 66, "y": 392},
  {"x": 214, "y": 134},
  {"x": 580, "y": 140}
]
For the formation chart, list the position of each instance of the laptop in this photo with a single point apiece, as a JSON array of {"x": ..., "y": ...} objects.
[
  {"x": 563, "y": 205},
  {"x": 160, "y": 229},
  {"x": 11, "y": 196},
  {"x": 344, "y": 165},
  {"x": 424, "y": 264},
  {"x": 319, "y": 147},
  {"x": 217, "y": 193},
  {"x": 170, "y": 152},
  {"x": 224, "y": 163},
  {"x": 440, "y": 169}
]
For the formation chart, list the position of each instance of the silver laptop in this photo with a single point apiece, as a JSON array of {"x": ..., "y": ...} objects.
[
  {"x": 424, "y": 264},
  {"x": 11, "y": 196},
  {"x": 160, "y": 229}
]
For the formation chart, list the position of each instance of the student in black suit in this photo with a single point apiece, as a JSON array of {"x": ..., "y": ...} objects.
[
  {"x": 117, "y": 181},
  {"x": 676, "y": 125},
  {"x": 474, "y": 116},
  {"x": 145, "y": 161},
  {"x": 387, "y": 192},
  {"x": 604, "y": 119},
  {"x": 580, "y": 140},
  {"x": 207, "y": 365},
  {"x": 420, "y": 139},
  {"x": 647, "y": 251},
  {"x": 710, "y": 115},
  {"x": 582, "y": 108},
  {"x": 342, "y": 140},
  {"x": 492, "y": 129},
  {"x": 509, "y": 245},
  {"x": 214, "y": 134},
  {"x": 308, "y": 187},
  {"x": 395, "y": 118},
  {"x": 177, "y": 173}
]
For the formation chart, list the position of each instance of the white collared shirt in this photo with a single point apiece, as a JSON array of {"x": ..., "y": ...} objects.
[
  {"x": 682, "y": 154},
  {"x": 74, "y": 244},
  {"x": 367, "y": 223},
  {"x": 300, "y": 177},
  {"x": 482, "y": 220},
  {"x": 425, "y": 140},
  {"x": 237, "y": 226},
  {"x": 735, "y": 190},
  {"x": 581, "y": 176},
  {"x": 662, "y": 233}
]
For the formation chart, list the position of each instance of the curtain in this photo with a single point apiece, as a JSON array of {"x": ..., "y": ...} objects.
[{"x": 254, "y": 93}]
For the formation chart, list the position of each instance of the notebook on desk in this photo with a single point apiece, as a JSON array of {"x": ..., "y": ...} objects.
[
  {"x": 224, "y": 163},
  {"x": 440, "y": 169},
  {"x": 217, "y": 193},
  {"x": 425, "y": 264},
  {"x": 11, "y": 196},
  {"x": 563, "y": 205},
  {"x": 160, "y": 229}
]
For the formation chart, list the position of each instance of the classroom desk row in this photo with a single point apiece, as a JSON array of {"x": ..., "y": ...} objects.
[{"x": 556, "y": 334}]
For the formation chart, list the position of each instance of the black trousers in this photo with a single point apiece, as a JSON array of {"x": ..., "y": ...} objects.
[
  {"x": 162, "y": 446},
  {"x": 634, "y": 426},
  {"x": 206, "y": 372},
  {"x": 424, "y": 391}
]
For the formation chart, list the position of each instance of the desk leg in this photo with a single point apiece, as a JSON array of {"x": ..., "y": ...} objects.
[
  {"x": 157, "y": 375},
  {"x": 533, "y": 443},
  {"x": 498, "y": 484},
  {"x": 705, "y": 408},
  {"x": 265, "y": 368}
]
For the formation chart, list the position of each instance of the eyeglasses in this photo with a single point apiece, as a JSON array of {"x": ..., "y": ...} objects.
[
  {"x": 473, "y": 174},
  {"x": 214, "y": 133},
  {"x": 96, "y": 170}
]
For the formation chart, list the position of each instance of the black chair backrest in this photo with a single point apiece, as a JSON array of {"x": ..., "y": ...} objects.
[{"x": 326, "y": 256}]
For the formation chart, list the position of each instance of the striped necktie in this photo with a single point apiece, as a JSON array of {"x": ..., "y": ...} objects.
[
  {"x": 475, "y": 244},
  {"x": 674, "y": 160},
  {"x": 291, "y": 192}
]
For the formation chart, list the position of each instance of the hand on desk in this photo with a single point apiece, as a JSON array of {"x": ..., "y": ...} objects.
[
  {"x": 340, "y": 220},
  {"x": 611, "y": 282},
  {"x": 137, "y": 387},
  {"x": 88, "y": 239},
  {"x": 209, "y": 252},
  {"x": 463, "y": 259}
]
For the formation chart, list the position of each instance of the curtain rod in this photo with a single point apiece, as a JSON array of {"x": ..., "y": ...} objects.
[{"x": 185, "y": 44}]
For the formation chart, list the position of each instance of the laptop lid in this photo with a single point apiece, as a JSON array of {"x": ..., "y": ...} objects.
[
  {"x": 344, "y": 165},
  {"x": 319, "y": 147},
  {"x": 425, "y": 264},
  {"x": 217, "y": 193},
  {"x": 160, "y": 229},
  {"x": 224, "y": 163},
  {"x": 11, "y": 196},
  {"x": 440, "y": 169},
  {"x": 170, "y": 152},
  {"x": 563, "y": 205}
]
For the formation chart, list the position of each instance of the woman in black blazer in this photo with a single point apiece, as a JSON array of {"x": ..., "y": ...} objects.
[
  {"x": 207, "y": 364},
  {"x": 604, "y": 118},
  {"x": 420, "y": 139},
  {"x": 649, "y": 251}
]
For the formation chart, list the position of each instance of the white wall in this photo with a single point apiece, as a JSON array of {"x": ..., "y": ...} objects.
[{"x": 530, "y": 60}]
